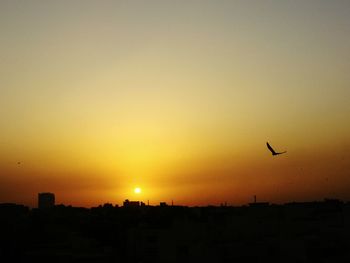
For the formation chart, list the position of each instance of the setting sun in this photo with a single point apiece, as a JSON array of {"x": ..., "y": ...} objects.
[
  {"x": 167, "y": 100},
  {"x": 137, "y": 190}
]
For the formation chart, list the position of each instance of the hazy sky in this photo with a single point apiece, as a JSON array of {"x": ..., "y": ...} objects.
[{"x": 175, "y": 97}]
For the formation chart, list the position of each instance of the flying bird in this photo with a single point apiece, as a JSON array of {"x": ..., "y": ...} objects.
[{"x": 272, "y": 150}]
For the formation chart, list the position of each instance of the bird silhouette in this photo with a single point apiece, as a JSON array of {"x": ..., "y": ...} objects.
[{"x": 272, "y": 150}]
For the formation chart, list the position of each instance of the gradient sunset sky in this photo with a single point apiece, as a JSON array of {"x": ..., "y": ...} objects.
[{"x": 175, "y": 97}]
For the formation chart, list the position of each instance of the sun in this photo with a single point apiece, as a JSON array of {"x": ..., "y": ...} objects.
[{"x": 137, "y": 190}]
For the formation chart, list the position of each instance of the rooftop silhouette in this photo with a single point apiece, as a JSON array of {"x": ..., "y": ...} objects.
[{"x": 294, "y": 232}]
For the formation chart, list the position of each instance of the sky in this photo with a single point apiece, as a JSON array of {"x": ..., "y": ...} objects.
[{"x": 176, "y": 97}]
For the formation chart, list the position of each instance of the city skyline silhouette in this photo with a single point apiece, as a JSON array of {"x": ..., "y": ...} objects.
[
  {"x": 304, "y": 232},
  {"x": 174, "y": 131}
]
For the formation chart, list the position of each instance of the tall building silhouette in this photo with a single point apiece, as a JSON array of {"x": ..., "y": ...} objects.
[{"x": 46, "y": 200}]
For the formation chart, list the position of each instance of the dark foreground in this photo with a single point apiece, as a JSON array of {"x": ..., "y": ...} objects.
[{"x": 296, "y": 232}]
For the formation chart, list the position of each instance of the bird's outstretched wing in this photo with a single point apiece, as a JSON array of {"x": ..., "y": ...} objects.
[
  {"x": 270, "y": 148},
  {"x": 281, "y": 152}
]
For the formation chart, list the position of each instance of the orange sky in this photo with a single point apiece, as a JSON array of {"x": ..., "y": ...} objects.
[{"x": 179, "y": 99}]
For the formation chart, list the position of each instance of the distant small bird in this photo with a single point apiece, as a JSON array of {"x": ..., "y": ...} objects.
[
  {"x": 18, "y": 163},
  {"x": 273, "y": 151}
]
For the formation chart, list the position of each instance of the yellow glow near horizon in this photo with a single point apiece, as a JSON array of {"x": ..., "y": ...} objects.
[{"x": 99, "y": 100}]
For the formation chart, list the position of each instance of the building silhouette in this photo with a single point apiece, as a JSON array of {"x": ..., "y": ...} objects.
[
  {"x": 46, "y": 200},
  {"x": 317, "y": 231},
  {"x": 128, "y": 203}
]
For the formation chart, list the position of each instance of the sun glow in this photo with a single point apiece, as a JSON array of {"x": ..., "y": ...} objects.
[{"x": 137, "y": 190}]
